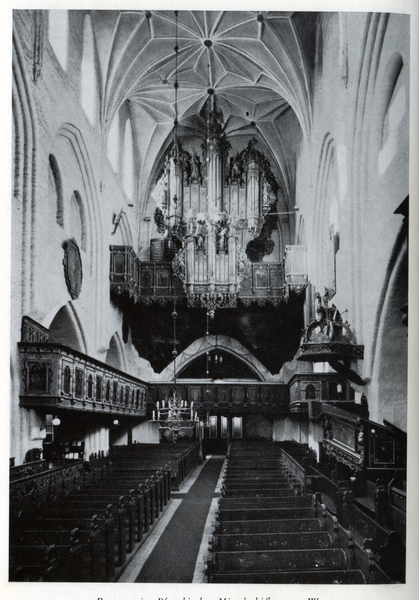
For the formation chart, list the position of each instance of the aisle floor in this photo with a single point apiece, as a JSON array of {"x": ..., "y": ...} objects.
[{"x": 174, "y": 551}]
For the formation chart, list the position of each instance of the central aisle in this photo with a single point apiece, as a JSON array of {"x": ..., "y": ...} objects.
[{"x": 174, "y": 557}]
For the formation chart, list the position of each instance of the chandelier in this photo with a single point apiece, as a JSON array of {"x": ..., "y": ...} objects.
[{"x": 174, "y": 416}]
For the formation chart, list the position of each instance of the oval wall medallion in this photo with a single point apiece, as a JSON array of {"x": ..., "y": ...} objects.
[{"x": 73, "y": 271}]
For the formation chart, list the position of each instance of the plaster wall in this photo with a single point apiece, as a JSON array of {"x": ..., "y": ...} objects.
[
  {"x": 49, "y": 120},
  {"x": 352, "y": 173}
]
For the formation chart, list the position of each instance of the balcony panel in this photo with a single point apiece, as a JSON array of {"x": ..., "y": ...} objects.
[
  {"x": 152, "y": 281},
  {"x": 227, "y": 398},
  {"x": 55, "y": 376}
]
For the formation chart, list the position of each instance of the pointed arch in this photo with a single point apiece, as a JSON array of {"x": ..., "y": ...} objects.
[
  {"x": 115, "y": 356},
  {"x": 217, "y": 342},
  {"x": 65, "y": 328}
]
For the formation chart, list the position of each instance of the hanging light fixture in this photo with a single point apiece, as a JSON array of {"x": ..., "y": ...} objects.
[{"x": 176, "y": 416}]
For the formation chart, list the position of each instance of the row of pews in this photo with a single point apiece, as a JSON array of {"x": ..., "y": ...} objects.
[
  {"x": 85, "y": 530},
  {"x": 269, "y": 531}
]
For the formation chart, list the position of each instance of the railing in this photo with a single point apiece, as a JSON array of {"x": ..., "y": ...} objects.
[
  {"x": 294, "y": 471},
  {"x": 30, "y": 491},
  {"x": 32, "y": 468},
  {"x": 153, "y": 281},
  {"x": 55, "y": 376},
  {"x": 228, "y": 398}
]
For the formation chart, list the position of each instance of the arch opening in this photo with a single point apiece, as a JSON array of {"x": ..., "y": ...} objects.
[{"x": 64, "y": 330}]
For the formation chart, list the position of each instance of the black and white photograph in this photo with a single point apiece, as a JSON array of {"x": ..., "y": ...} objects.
[{"x": 209, "y": 299}]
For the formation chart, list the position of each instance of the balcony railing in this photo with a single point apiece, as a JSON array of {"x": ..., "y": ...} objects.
[
  {"x": 228, "y": 398},
  {"x": 55, "y": 376},
  {"x": 149, "y": 281}
]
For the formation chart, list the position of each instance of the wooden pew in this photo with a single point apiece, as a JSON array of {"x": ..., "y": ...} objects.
[
  {"x": 143, "y": 495},
  {"x": 96, "y": 562},
  {"x": 268, "y": 502},
  {"x": 324, "y": 577},
  {"x": 256, "y": 492},
  {"x": 115, "y": 516},
  {"x": 268, "y": 526},
  {"x": 284, "y": 561},
  {"x": 271, "y": 541},
  {"x": 257, "y": 514},
  {"x": 272, "y": 482}
]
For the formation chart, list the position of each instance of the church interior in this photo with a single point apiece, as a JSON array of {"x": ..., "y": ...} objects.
[{"x": 209, "y": 296}]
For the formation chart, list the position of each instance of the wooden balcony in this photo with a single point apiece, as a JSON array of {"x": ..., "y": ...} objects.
[
  {"x": 55, "y": 376},
  {"x": 227, "y": 398},
  {"x": 153, "y": 281}
]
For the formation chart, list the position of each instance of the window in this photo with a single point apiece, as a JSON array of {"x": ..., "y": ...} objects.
[
  {"x": 237, "y": 426},
  {"x": 224, "y": 427},
  {"x": 79, "y": 383},
  {"x": 90, "y": 386},
  {"x": 98, "y": 388},
  {"x": 77, "y": 226},
  {"x": 310, "y": 392},
  {"x": 67, "y": 380},
  {"x": 213, "y": 427},
  {"x": 55, "y": 190}
]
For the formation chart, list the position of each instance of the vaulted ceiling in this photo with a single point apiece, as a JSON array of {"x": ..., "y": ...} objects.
[{"x": 260, "y": 66}]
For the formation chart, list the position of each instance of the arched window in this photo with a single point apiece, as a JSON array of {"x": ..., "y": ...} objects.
[
  {"x": 58, "y": 34},
  {"x": 79, "y": 383},
  {"x": 77, "y": 226},
  {"x": 98, "y": 388},
  {"x": 67, "y": 380},
  {"x": 310, "y": 392},
  {"x": 55, "y": 190},
  {"x": 89, "y": 79},
  {"x": 90, "y": 386}
]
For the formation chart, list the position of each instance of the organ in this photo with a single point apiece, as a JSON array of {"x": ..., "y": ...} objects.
[{"x": 213, "y": 209}]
